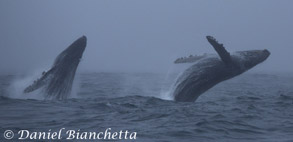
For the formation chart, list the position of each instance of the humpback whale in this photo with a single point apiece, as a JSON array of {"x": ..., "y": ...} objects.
[
  {"x": 209, "y": 70},
  {"x": 57, "y": 82}
]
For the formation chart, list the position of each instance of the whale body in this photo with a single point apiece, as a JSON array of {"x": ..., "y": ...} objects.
[
  {"x": 57, "y": 82},
  {"x": 209, "y": 70}
]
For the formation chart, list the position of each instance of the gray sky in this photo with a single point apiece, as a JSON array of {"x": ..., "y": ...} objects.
[{"x": 141, "y": 35}]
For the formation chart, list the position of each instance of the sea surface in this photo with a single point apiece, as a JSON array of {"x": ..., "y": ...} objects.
[{"x": 250, "y": 107}]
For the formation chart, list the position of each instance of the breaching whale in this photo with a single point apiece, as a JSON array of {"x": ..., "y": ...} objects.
[
  {"x": 57, "y": 82},
  {"x": 209, "y": 70}
]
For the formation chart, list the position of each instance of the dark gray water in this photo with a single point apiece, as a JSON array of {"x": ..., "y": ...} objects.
[{"x": 251, "y": 107}]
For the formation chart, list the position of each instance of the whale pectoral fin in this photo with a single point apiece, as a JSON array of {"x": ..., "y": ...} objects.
[
  {"x": 223, "y": 53},
  {"x": 38, "y": 83},
  {"x": 189, "y": 59}
]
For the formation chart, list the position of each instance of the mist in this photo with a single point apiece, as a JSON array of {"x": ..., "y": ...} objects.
[{"x": 141, "y": 36}]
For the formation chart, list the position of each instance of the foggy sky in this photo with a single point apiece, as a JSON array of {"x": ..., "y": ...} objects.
[{"x": 141, "y": 35}]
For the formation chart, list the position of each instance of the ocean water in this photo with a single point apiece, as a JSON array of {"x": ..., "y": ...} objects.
[{"x": 250, "y": 107}]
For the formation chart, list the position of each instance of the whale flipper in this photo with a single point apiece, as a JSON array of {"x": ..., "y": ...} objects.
[
  {"x": 190, "y": 59},
  {"x": 223, "y": 53},
  {"x": 39, "y": 82}
]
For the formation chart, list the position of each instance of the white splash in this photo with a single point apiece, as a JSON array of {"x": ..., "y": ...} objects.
[
  {"x": 19, "y": 84},
  {"x": 167, "y": 92}
]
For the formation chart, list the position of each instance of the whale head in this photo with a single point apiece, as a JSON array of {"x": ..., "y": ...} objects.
[
  {"x": 72, "y": 54},
  {"x": 251, "y": 58}
]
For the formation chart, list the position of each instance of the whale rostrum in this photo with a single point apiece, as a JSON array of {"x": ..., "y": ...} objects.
[{"x": 208, "y": 70}]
